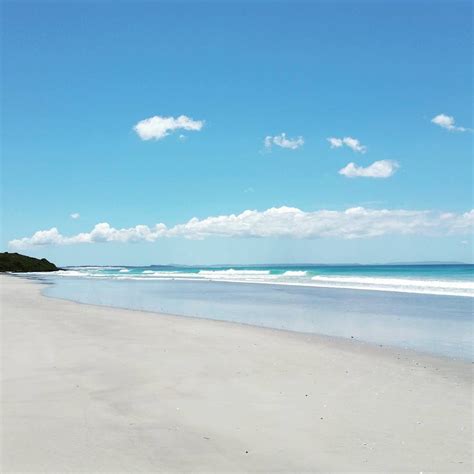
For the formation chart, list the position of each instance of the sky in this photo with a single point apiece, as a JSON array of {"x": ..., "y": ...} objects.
[{"x": 247, "y": 132}]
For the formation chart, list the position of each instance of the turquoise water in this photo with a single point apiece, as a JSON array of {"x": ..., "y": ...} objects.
[
  {"x": 452, "y": 280},
  {"x": 428, "y": 309}
]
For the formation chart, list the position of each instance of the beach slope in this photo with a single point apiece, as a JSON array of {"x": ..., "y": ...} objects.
[{"x": 96, "y": 389}]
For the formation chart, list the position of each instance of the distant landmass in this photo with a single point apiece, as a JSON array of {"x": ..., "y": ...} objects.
[
  {"x": 15, "y": 262},
  {"x": 434, "y": 262}
]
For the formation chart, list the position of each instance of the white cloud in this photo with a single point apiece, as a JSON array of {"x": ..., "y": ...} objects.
[
  {"x": 75, "y": 215},
  {"x": 350, "y": 142},
  {"x": 283, "y": 142},
  {"x": 286, "y": 222},
  {"x": 447, "y": 122},
  {"x": 378, "y": 169},
  {"x": 159, "y": 127},
  {"x": 102, "y": 232},
  {"x": 335, "y": 142}
]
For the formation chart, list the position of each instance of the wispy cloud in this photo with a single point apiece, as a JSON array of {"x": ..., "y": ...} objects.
[
  {"x": 158, "y": 127},
  {"x": 283, "y": 142},
  {"x": 447, "y": 122},
  {"x": 352, "y": 143},
  {"x": 378, "y": 169},
  {"x": 285, "y": 222},
  {"x": 75, "y": 215}
]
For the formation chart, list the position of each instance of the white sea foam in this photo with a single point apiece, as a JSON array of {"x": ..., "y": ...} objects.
[
  {"x": 234, "y": 272},
  {"x": 75, "y": 273},
  {"x": 234, "y": 275},
  {"x": 182, "y": 277},
  {"x": 294, "y": 273},
  {"x": 124, "y": 270},
  {"x": 290, "y": 278},
  {"x": 78, "y": 273},
  {"x": 176, "y": 275},
  {"x": 403, "y": 285}
]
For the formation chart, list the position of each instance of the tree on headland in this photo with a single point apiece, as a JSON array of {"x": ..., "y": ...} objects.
[{"x": 15, "y": 262}]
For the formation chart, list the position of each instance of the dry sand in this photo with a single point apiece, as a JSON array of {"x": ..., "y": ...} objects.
[{"x": 95, "y": 389}]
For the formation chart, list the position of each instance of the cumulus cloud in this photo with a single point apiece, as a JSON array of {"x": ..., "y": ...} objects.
[
  {"x": 447, "y": 122},
  {"x": 75, "y": 215},
  {"x": 285, "y": 222},
  {"x": 350, "y": 142},
  {"x": 378, "y": 169},
  {"x": 335, "y": 142},
  {"x": 283, "y": 142},
  {"x": 159, "y": 127},
  {"x": 102, "y": 232}
]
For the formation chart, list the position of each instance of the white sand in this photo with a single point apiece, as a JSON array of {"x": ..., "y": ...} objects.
[{"x": 92, "y": 389}]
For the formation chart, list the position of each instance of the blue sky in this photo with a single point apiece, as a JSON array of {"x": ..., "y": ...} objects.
[{"x": 77, "y": 77}]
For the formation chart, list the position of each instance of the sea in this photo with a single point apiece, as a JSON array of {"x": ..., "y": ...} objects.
[{"x": 428, "y": 308}]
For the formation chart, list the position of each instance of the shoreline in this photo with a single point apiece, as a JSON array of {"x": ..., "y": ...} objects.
[
  {"x": 354, "y": 287},
  {"x": 130, "y": 390},
  {"x": 421, "y": 323},
  {"x": 359, "y": 344}
]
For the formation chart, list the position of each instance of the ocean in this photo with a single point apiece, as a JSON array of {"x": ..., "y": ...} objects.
[
  {"x": 422, "y": 307},
  {"x": 450, "y": 280}
]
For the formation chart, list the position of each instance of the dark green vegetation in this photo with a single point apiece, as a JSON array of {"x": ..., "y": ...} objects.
[{"x": 14, "y": 262}]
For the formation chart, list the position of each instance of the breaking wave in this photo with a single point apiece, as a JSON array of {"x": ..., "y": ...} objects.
[
  {"x": 402, "y": 285},
  {"x": 308, "y": 278}
]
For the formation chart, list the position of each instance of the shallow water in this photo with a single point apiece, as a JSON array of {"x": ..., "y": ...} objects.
[
  {"x": 441, "y": 325},
  {"x": 451, "y": 280}
]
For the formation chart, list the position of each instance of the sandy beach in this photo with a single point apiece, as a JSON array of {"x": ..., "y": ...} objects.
[{"x": 95, "y": 389}]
